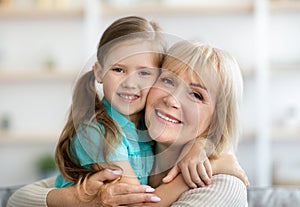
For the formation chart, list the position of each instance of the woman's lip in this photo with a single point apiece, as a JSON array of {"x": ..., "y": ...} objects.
[{"x": 167, "y": 117}]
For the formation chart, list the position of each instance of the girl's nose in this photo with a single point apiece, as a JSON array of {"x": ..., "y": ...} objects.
[{"x": 129, "y": 81}]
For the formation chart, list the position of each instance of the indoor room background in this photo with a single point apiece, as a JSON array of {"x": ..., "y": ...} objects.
[{"x": 45, "y": 45}]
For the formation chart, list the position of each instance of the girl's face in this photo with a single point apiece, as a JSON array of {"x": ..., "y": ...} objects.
[
  {"x": 178, "y": 109},
  {"x": 128, "y": 73}
]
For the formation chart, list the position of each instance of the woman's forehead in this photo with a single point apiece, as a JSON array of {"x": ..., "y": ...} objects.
[{"x": 185, "y": 74}]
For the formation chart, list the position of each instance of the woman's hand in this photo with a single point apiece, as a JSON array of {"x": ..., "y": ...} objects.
[
  {"x": 194, "y": 166},
  {"x": 123, "y": 194},
  {"x": 113, "y": 194}
]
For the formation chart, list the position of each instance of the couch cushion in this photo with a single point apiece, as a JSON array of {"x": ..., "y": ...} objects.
[
  {"x": 5, "y": 192},
  {"x": 273, "y": 196}
]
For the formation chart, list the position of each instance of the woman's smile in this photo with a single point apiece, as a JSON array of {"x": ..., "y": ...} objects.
[{"x": 167, "y": 118}]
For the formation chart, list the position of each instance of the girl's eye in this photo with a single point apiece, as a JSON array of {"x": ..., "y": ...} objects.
[
  {"x": 144, "y": 73},
  {"x": 118, "y": 70},
  {"x": 197, "y": 95},
  {"x": 168, "y": 81}
]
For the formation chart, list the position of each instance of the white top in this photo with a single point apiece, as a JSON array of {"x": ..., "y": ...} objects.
[
  {"x": 225, "y": 190},
  {"x": 33, "y": 195}
]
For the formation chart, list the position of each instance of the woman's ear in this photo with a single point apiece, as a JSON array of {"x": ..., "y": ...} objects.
[{"x": 98, "y": 72}]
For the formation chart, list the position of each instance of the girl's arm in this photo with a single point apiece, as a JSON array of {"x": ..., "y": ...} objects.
[
  {"x": 193, "y": 164},
  {"x": 170, "y": 192},
  {"x": 228, "y": 164},
  {"x": 128, "y": 175},
  {"x": 197, "y": 169}
]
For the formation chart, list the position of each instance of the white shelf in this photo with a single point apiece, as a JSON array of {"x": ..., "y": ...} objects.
[
  {"x": 12, "y": 12},
  {"x": 283, "y": 67},
  {"x": 142, "y": 9},
  {"x": 40, "y": 75},
  {"x": 25, "y": 137},
  {"x": 287, "y": 133},
  {"x": 285, "y": 5},
  {"x": 164, "y": 9}
]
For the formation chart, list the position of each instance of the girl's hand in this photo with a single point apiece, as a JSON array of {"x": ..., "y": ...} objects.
[
  {"x": 228, "y": 164},
  {"x": 194, "y": 166}
]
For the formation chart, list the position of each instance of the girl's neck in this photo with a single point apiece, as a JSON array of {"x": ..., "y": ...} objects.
[{"x": 135, "y": 118}]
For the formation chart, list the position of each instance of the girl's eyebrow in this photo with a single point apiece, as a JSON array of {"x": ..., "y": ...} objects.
[{"x": 117, "y": 64}]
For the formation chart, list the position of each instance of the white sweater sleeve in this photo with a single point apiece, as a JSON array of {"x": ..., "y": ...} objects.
[
  {"x": 225, "y": 190},
  {"x": 32, "y": 195}
]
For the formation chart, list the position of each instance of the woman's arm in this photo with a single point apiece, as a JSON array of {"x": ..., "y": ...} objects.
[
  {"x": 32, "y": 195},
  {"x": 225, "y": 190},
  {"x": 42, "y": 193},
  {"x": 226, "y": 164}
]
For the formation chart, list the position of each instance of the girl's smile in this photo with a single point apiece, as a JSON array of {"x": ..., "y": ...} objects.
[{"x": 127, "y": 77}]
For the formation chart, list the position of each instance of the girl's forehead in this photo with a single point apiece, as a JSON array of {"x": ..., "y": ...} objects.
[{"x": 126, "y": 49}]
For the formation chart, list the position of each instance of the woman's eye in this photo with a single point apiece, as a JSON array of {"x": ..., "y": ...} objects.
[
  {"x": 197, "y": 96},
  {"x": 167, "y": 81},
  {"x": 118, "y": 70}
]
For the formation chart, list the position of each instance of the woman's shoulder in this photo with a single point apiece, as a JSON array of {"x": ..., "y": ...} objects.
[{"x": 225, "y": 190}]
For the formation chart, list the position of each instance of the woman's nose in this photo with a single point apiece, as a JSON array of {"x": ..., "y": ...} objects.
[{"x": 171, "y": 101}]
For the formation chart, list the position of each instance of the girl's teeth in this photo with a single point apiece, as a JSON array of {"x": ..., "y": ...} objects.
[
  {"x": 128, "y": 97},
  {"x": 166, "y": 118}
]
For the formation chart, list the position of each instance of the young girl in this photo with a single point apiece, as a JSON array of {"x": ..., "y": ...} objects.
[{"x": 102, "y": 133}]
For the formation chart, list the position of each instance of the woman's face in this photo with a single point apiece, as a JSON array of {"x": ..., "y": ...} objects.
[{"x": 178, "y": 109}]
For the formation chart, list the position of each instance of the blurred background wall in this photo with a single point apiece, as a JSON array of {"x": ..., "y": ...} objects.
[{"x": 45, "y": 44}]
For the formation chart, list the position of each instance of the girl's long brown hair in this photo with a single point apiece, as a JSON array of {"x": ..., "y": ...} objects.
[{"x": 86, "y": 104}]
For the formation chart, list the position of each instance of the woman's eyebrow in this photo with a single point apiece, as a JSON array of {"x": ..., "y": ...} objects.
[{"x": 197, "y": 85}]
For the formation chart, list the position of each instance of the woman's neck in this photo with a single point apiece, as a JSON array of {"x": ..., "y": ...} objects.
[{"x": 166, "y": 156}]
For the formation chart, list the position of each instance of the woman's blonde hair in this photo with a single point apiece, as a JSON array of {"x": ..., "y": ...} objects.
[
  {"x": 86, "y": 104},
  {"x": 219, "y": 72}
]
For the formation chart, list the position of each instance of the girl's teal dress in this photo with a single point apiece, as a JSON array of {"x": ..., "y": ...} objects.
[{"x": 86, "y": 147}]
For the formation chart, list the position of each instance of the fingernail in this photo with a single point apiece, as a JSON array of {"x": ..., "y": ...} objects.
[
  {"x": 117, "y": 172},
  {"x": 155, "y": 199},
  {"x": 149, "y": 190}
]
